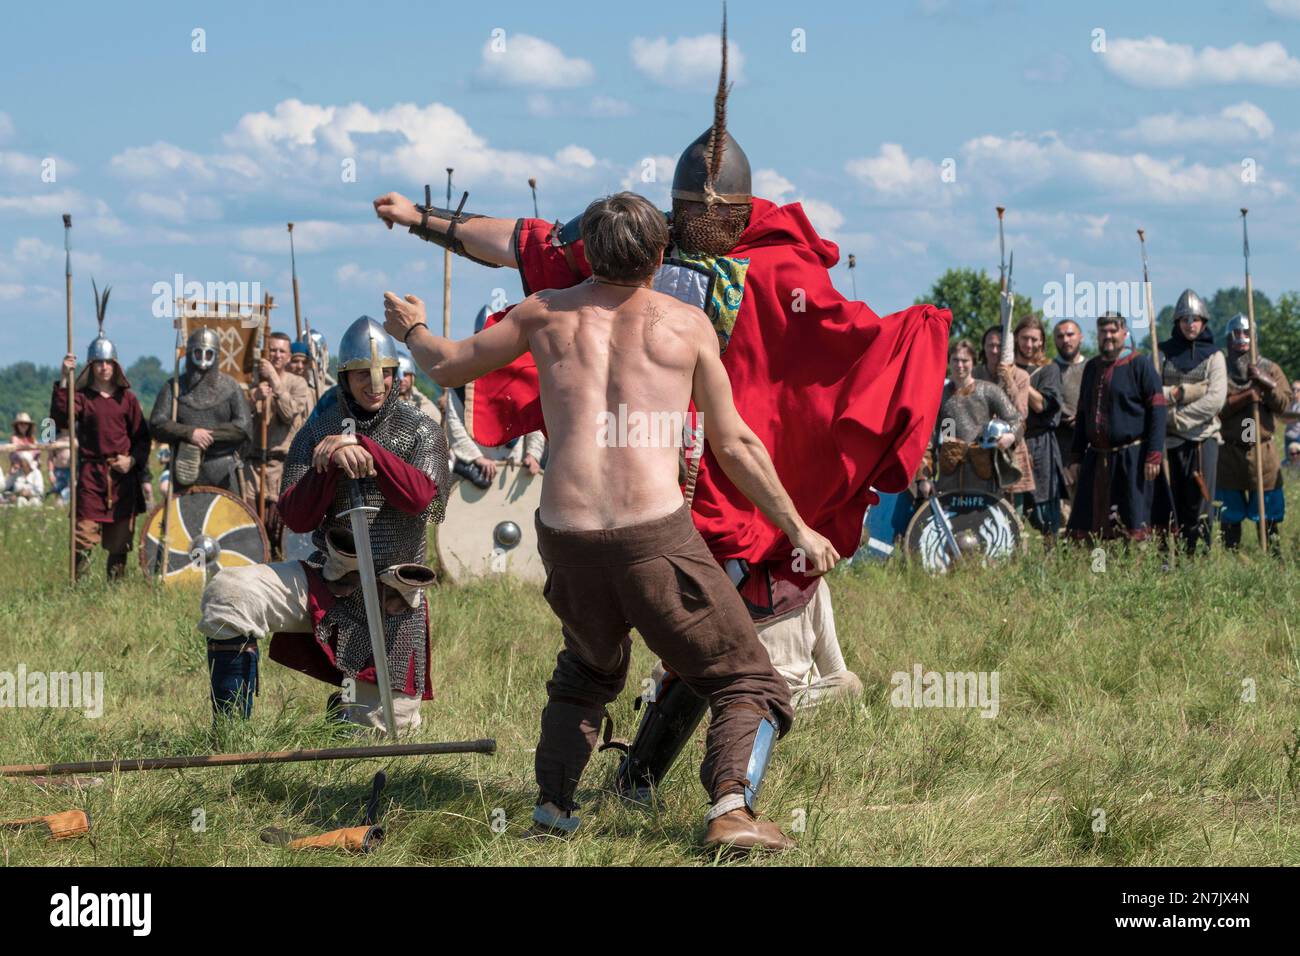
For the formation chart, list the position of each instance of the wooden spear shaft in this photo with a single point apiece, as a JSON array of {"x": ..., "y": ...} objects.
[
  {"x": 72, "y": 407},
  {"x": 124, "y": 764},
  {"x": 446, "y": 274},
  {"x": 297, "y": 311},
  {"x": 1254, "y": 405}
]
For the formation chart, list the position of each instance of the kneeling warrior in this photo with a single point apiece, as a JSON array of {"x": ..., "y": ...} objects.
[
  {"x": 1266, "y": 383},
  {"x": 211, "y": 424},
  {"x": 112, "y": 451},
  {"x": 360, "y": 430}
]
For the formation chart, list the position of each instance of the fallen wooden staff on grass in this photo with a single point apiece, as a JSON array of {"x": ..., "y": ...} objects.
[
  {"x": 63, "y": 826},
  {"x": 123, "y": 764}
]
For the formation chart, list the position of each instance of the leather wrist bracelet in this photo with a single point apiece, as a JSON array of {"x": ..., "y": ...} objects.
[{"x": 412, "y": 329}]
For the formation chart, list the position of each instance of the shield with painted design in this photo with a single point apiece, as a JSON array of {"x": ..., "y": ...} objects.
[
  {"x": 985, "y": 528},
  {"x": 490, "y": 531},
  {"x": 207, "y": 529}
]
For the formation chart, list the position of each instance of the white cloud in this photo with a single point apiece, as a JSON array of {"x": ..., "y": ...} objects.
[
  {"x": 1029, "y": 162},
  {"x": 894, "y": 176},
  {"x": 652, "y": 177},
  {"x": 608, "y": 107},
  {"x": 520, "y": 60},
  {"x": 314, "y": 235},
  {"x": 1155, "y": 62},
  {"x": 12, "y": 292},
  {"x": 687, "y": 62},
  {"x": 540, "y": 105},
  {"x": 352, "y": 274},
  {"x": 1285, "y": 8},
  {"x": 178, "y": 207},
  {"x": 769, "y": 184},
  {"x": 32, "y": 251},
  {"x": 1236, "y": 123}
]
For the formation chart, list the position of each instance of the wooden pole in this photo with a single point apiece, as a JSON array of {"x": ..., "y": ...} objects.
[
  {"x": 72, "y": 406},
  {"x": 1254, "y": 405},
  {"x": 446, "y": 274},
  {"x": 297, "y": 310},
  {"x": 125, "y": 764},
  {"x": 265, "y": 335},
  {"x": 164, "y": 544}
]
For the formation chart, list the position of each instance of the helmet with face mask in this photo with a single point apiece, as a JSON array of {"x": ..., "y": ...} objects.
[
  {"x": 365, "y": 345},
  {"x": 1238, "y": 331},
  {"x": 712, "y": 185},
  {"x": 202, "y": 350}
]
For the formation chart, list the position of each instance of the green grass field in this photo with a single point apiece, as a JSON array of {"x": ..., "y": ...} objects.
[{"x": 1121, "y": 692}]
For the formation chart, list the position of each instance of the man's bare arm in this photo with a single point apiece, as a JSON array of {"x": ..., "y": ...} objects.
[
  {"x": 449, "y": 362},
  {"x": 484, "y": 237},
  {"x": 744, "y": 459}
]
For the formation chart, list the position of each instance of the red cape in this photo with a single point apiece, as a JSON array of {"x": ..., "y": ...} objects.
[{"x": 843, "y": 399}]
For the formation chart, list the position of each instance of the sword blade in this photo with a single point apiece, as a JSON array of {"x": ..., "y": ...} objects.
[
  {"x": 370, "y": 592},
  {"x": 945, "y": 527}
]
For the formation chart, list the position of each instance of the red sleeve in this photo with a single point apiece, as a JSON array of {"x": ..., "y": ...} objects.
[
  {"x": 304, "y": 503},
  {"x": 544, "y": 265},
  {"x": 402, "y": 484},
  {"x": 59, "y": 405}
]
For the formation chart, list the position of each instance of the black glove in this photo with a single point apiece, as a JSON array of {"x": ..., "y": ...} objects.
[{"x": 472, "y": 472}]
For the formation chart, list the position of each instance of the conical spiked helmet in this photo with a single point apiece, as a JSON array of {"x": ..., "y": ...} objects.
[{"x": 714, "y": 169}]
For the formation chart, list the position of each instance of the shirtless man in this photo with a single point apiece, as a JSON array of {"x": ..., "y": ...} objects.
[{"x": 615, "y": 534}]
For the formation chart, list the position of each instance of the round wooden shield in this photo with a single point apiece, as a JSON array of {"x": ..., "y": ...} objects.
[
  {"x": 207, "y": 529},
  {"x": 490, "y": 531},
  {"x": 985, "y": 527}
]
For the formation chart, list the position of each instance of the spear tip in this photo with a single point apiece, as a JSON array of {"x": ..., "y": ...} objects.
[
  {"x": 1243, "y": 212},
  {"x": 1001, "y": 210},
  {"x": 449, "y": 170},
  {"x": 532, "y": 183},
  {"x": 67, "y": 220},
  {"x": 1142, "y": 235},
  {"x": 291, "y": 227}
]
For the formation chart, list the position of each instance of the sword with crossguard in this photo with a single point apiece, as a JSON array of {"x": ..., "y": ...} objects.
[{"x": 356, "y": 512}]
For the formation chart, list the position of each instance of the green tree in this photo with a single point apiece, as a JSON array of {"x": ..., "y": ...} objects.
[{"x": 975, "y": 301}]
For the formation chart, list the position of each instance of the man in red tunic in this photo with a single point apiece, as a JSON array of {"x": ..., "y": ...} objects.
[{"x": 112, "y": 451}]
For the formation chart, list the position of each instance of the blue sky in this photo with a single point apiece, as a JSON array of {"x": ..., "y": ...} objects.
[{"x": 173, "y": 161}]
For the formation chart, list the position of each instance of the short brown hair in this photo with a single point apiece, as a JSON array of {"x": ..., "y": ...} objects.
[
  {"x": 963, "y": 345},
  {"x": 623, "y": 236}
]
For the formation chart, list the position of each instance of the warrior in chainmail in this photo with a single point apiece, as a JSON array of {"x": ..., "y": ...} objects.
[
  {"x": 959, "y": 461},
  {"x": 211, "y": 424},
  {"x": 1243, "y": 439},
  {"x": 316, "y": 608}
]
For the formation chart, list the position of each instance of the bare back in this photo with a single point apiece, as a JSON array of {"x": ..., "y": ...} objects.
[{"x": 615, "y": 365}]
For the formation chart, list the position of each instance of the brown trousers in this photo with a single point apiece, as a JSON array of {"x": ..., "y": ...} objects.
[
  {"x": 660, "y": 578},
  {"x": 115, "y": 536}
]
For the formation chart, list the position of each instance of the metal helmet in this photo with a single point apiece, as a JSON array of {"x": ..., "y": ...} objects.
[
  {"x": 366, "y": 345},
  {"x": 1238, "y": 323},
  {"x": 320, "y": 350},
  {"x": 405, "y": 366},
  {"x": 101, "y": 350},
  {"x": 714, "y": 169},
  {"x": 1191, "y": 304},
  {"x": 993, "y": 432},
  {"x": 202, "y": 350},
  {"x": 480, "y": 320}
]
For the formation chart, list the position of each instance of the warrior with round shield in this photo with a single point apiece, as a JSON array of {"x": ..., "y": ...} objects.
[
  {"x": 1263, "y": 382},
  {"x": 112, "y": 450},
  {"x": 976, "y": 430},
  {"x": 209, "y": 425},
  {"x": 315, "y": 611}
]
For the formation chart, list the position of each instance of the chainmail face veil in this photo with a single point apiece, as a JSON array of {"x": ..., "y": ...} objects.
[
  {"x": 708, "y": 230},
  {"x": 395, "y": 537}
]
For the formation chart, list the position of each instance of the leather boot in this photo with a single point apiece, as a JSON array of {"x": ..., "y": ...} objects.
[
  {"x": 742, "y": 830},
  {"x": 116, "y": 567}
]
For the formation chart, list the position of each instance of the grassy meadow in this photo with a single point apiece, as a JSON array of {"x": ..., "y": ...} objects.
[{"x": 1162, "y": 704}]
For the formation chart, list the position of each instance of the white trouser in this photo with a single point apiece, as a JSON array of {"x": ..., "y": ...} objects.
[
  {"x": 806, "y": 651},
  {"x": 260, "y": 600}
]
